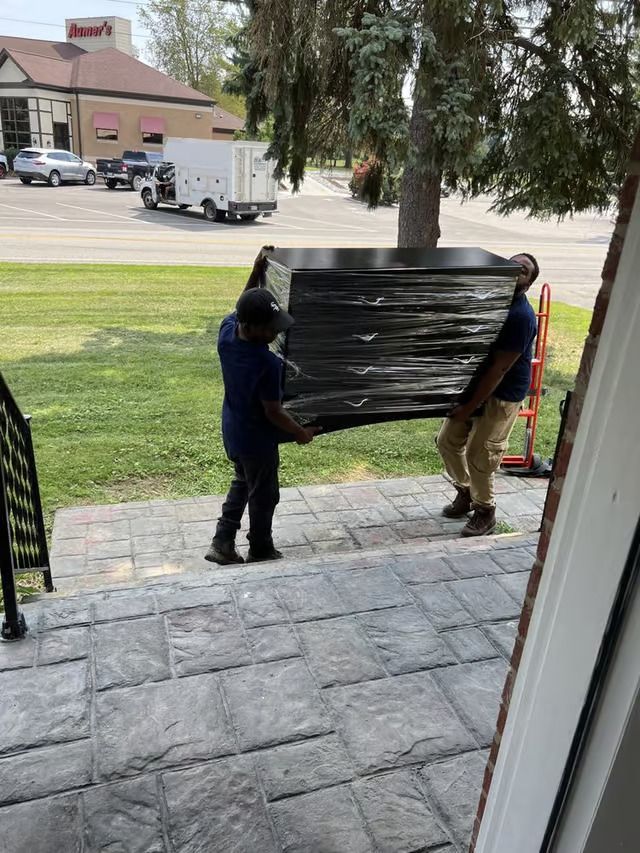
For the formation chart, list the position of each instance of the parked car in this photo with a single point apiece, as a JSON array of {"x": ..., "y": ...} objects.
[
  {"x": 132, "y": 168},
  {"x": 4, "y": 166},
  {"x": 54, "y": 167}
]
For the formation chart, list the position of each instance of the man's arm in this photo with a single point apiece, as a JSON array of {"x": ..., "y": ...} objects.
[
  {"x": 258, "y": 268},
  {"x": 280, "y": 418},
  {"x": 502, "y": 362}
]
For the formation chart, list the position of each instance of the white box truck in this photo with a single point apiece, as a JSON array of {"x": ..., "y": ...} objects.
[{"x": 225, "y": 179}]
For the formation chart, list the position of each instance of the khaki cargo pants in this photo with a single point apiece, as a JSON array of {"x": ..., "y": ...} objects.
[{"x": 472, "y": 450}]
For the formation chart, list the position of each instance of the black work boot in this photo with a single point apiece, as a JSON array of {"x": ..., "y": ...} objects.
[
  {"x": 262, "y": 556},
  {"x": 460, "y": 506},
  {"x": 481, "y": 523},
  {"x": 223, "y": 553}
]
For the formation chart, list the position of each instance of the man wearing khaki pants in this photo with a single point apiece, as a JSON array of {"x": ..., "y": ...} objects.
[{"x": 474, "y": 437}]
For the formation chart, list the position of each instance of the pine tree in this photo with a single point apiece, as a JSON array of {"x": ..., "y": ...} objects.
[{"x": 532, "y": 102}]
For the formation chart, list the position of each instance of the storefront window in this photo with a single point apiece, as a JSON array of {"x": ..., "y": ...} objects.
[
  {"x": 106, "y": 135},
  {"x": 14, "y": 116},
  {"x": 153, "y": 138}
]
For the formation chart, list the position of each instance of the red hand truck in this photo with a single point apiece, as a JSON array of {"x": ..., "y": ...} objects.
[{"x": 525, "y": 461}]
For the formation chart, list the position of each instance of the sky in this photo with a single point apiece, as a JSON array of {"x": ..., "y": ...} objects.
[{"x": 43, "y": 19}]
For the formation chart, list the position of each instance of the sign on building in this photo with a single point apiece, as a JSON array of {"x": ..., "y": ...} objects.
[{"x": 98, "y": 33}]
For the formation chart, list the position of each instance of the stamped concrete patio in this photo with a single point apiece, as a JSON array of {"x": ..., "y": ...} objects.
[
  {"x": 123, "y": 543},
  {"x": 336, "y": 704}
]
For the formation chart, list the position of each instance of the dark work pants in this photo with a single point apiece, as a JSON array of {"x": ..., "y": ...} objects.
[{"x": 255, "y": 483}]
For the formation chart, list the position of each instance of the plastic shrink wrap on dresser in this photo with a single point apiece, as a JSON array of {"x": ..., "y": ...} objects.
[{"x": 385, "y": 334}]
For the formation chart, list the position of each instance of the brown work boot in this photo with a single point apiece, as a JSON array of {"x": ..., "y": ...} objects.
[
  {"x": 460, "y": 506},
  {"x": 481, "y": 523}
]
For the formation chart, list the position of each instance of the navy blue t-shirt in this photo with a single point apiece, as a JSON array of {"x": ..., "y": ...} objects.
[
  {"x": 251, "y": 374},
  {"x": 517, "y": 335}
]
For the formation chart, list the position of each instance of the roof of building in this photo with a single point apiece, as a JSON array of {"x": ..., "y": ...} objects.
[
  {"x": 224, "y": 120},
  {"x": 52, "y": 49},
  {"x": 42, "y": 70},
  {"x": 114, "y": 71},
  {"x": 111, "y": 71}
]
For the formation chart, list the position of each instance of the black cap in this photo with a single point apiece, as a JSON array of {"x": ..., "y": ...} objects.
[{"x": 259, "y": 307}]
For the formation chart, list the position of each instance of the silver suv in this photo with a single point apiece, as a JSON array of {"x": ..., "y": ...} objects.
[{"x": 54, "y": 167}]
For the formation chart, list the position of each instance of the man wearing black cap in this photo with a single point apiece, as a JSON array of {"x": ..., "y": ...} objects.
[{"x": 254, "y": 422}]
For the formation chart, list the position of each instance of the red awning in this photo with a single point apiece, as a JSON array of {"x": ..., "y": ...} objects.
[
  {"x": 106, "y": 121},
  {"x": 152, "y": 125}
]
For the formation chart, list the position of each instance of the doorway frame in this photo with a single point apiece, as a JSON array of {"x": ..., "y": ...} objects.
[
  {"x": 67, "y": 145},
  {"x": 589, "y": 546}
]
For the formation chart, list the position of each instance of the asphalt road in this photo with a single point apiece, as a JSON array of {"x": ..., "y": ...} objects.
[{"x": 79, "y": 224}]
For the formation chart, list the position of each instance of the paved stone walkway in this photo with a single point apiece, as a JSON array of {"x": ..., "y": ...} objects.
[
  {"x": 127, "y": 543},
  {"x": 332, "y": 705}
]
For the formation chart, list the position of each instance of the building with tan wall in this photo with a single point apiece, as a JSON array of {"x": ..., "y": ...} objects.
[
  {"x": 91, "y": 96},
  {"x": 225, "y": 124}
]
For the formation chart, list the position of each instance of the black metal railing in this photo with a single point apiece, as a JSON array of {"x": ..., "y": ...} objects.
[{"x": 23, "y": 540}]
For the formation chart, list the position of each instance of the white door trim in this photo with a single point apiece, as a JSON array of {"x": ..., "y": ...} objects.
[
  {"x": 619, "y": 703},
  {"x": 590, "y": 542}
]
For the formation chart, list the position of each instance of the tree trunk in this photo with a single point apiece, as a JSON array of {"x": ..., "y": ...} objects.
[
  {"x": 418, "y": 222},
  {"x": 348, "y": 159}
]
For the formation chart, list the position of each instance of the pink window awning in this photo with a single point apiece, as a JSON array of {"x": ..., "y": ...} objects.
[
  {"x": 152, "y": 125},
  {"x": 106, "y": 121}
]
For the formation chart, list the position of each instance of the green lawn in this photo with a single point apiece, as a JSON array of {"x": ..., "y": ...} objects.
[{"x": 118, "y": 367}]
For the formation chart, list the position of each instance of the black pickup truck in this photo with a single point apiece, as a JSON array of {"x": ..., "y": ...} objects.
[{"x": 131, "y": 168}]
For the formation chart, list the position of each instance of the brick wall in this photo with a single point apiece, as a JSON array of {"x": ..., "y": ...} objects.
[{"x": 627, "y": 198}]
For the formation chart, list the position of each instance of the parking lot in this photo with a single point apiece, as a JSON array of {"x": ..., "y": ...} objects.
[{"x": 80, "y": 224}]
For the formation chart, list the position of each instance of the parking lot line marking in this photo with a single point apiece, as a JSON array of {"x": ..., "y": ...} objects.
[
  {"x": 47, "y": 233},
  {"x": 319, "y": 223},
  {"x": 206, "y": 248},
  {"x": 211, "y": 243},
  {"x": 33, "y": 212},
  {"x": 212, "y": 226},
  {"x": 285, "y": 225},
  {"x": 112, "y": 230},
  {"x": 104, "y": 213}
]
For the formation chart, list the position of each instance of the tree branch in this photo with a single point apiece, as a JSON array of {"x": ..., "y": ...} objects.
[{"x": 586, "y": 91}]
